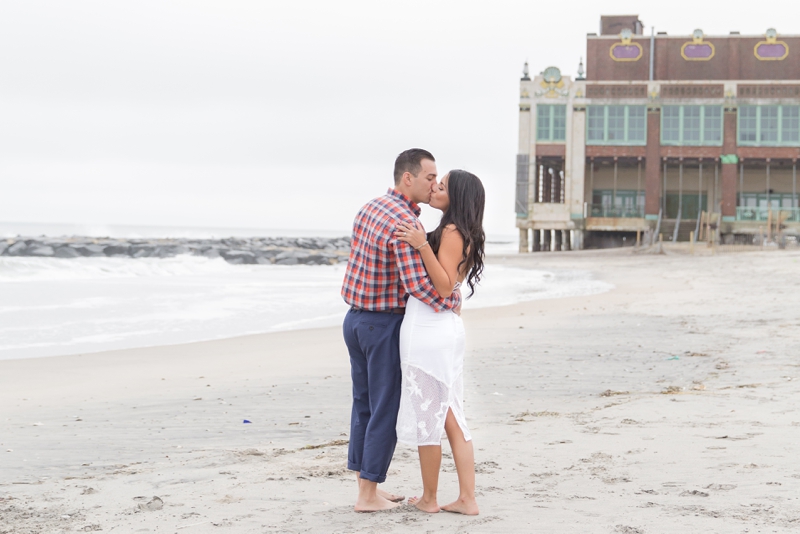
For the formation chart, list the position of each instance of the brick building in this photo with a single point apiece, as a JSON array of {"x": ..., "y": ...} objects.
[{"x": 661, "y": 129}]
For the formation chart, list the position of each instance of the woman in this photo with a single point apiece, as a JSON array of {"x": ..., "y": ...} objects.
[{"x": 432, "y": 344}]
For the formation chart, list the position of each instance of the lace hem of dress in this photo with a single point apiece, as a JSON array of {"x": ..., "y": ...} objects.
[{"x": 424, "y": 403}]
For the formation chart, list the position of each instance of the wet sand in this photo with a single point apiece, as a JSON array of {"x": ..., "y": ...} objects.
[{"x": 669, "y": 404}]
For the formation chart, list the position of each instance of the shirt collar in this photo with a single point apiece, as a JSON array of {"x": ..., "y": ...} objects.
[{"x": 400, "y": 196}]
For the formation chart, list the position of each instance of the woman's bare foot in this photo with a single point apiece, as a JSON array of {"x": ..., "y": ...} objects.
[
  {"x": 391, "y": 496},
  {"x": 375, "y": 504},
  {"x": 426, "y": 506},
  {"x": 466, "y": 506}
]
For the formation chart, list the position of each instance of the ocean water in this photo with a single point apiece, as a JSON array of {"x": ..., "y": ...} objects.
[{"x": 52, "y": 306}]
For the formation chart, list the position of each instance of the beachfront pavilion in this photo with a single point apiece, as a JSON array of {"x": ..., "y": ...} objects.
[{"x": 663, "y": 133}]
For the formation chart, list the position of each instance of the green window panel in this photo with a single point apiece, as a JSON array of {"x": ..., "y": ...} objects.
[
  {"x": 595, "y": 132},
  {"x": 691, "y": 125},
  {"x": 636, "y": 124},
  {"x": 551, "y": 122},
  {"x": 616, "y": 125},
  {"x": 769, "y": 125},
  {"x": 790, "y": 124},
  {"x": 757, "y": 206},
  {"x": 689, "y": 205},
  {"x": 773, "y": 200},
  {"x": 670, "y": 125},
  {"x": 748, "y": 124},
  {"x": 712, "y": 125},
  {"x": 619, "y": 203}
]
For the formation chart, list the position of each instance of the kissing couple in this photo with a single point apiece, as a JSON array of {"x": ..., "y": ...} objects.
[{"x": 404, "y": 331}]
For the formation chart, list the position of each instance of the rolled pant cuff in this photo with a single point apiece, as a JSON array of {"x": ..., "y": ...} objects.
[
  {"x": 372, "y": 477},
  {"x": 353, "y": 467}
]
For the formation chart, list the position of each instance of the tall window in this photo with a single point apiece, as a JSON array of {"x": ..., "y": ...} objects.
[
  {"x": 551, "y": 122},
  {"x": 616, "y": 125},
  {"x": 636, "y": 124},
  {"x": 596, "y": 131},
  {"x": 769, "y": 125},
  {"x": 691, "y": 125}
]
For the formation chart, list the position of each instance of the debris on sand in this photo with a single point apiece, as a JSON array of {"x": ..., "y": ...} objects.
[
  {"x": 334, "y": 443},
  {"x": 694, "y": 493},
  {"x": 523, "y": 415},
  {"x": 611, "y": 393}
]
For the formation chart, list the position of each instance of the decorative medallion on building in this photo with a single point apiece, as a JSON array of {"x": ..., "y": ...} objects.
[
  {"x": 771, "y": 49},
  {"x": 552, "y": 83},
  {"x": 697, "y": 49},
  {"x": 626, "y": 50}
]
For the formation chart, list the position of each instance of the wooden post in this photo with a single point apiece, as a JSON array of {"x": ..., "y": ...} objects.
[
  {"x": 638, "y": 237},
  {"x": 699, "y": 198},
  {"x": 768, "y": 186},
  {"x": 741, "y": 182},
  {"x": 680, "y": 202},
  {"x": 614, "y": 194},
  {"x": 664, "y": 190},
  {"x": 691, "y": 242},
  {"x": 794, "y": 185},
  {"x": 716, "y": 186},
  {"x": 702, "y": 224},
  {"x": 638, "y": 189},
  {"x": 591, "y": 186},
  {"x": 769, "y": 221}
]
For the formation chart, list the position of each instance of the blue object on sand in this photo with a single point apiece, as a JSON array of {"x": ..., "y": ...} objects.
[
  {"x": 247, "y": 422},
  {"x": 674, "y": 358}
]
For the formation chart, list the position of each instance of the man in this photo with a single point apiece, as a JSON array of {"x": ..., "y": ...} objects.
[{"x": 381, "y": 273}]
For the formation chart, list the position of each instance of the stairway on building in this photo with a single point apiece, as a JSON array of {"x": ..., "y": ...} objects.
[{"x": 668, "y": 228}]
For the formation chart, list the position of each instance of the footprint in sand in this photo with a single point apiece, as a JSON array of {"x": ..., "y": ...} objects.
[{"x": 721, "y": 487}]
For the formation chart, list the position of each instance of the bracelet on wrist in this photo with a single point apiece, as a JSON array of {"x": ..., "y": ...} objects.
[{"x": 421, "y": 246}]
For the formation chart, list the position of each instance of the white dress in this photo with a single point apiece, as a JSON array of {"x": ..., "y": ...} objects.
[{"x": 432, "y": 363}]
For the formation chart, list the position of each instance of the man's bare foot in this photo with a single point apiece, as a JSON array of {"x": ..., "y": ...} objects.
[
  {"x": 425, "y": 506},
  {"x": 391, "y": 496},
  {"x": 375, "y": 504},
  {"x": 462, "y": 506}
]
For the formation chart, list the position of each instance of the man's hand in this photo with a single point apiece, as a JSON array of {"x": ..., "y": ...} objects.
[{"x": 457, "y": 309}]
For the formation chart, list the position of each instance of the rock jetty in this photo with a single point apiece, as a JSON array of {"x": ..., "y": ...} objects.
[{"x": 253, "y": 250}]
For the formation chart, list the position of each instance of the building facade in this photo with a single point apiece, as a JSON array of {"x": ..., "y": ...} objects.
[{"x": 662, "y": 132}]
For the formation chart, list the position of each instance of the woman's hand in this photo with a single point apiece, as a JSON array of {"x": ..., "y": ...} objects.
[{"x": 413, "y": 235}]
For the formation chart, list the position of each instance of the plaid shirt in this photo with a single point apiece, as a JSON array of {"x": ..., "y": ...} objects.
[{"x": 383, "y": 271}]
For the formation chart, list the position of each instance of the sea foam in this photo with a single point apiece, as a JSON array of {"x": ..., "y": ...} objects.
[{"x": 52, "y": 306}]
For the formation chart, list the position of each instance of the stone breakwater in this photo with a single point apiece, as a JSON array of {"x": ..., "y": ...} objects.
[{"x": 255, "y": 250}]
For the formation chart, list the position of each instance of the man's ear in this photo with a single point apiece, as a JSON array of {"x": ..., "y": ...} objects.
[{"x": 407, "y": 176}]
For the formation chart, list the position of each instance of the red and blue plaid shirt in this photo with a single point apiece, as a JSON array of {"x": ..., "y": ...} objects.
[{"x": 383, "y": 271}]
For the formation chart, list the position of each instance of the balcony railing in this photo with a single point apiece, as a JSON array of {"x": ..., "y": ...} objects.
[
  {"x": 744, "y": 213},
  {"x": 600, "y": 210}
]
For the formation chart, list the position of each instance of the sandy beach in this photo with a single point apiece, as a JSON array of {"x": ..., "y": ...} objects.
[{"x": 668, "y": 404}]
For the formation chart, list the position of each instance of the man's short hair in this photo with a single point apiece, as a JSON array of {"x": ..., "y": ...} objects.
[{"x": 410, "y": 161}]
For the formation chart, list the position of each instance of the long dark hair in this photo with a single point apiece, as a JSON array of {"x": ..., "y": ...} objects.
[{"x": 467, "y": 199}]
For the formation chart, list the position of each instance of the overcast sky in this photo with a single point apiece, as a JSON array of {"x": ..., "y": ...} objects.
[{"x": 275, "y": 114}]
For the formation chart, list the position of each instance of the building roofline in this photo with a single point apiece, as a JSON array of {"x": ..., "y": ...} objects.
[{"x": 689, "y": 37}]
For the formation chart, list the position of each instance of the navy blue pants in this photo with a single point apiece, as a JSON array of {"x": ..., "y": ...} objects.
[{"x": 373, "y": 340}]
